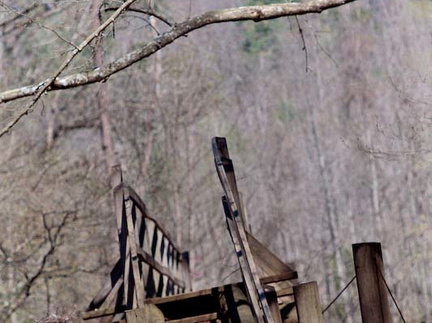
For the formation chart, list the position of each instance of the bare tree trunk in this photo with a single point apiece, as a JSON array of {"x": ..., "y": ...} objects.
[
  {"x": 102, "y": 100},
  {"x": 375, "y": 201},
  {"x": 149, "y": 136},
  {"x": 339, "y": 276}
]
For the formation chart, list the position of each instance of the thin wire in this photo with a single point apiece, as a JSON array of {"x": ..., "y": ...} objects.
[
  {"x": 394, "y": 300},
  {"x": 338, "y": 295}
]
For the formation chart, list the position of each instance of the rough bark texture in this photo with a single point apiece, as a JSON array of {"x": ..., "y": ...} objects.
[{"x": 255, "y": 13}]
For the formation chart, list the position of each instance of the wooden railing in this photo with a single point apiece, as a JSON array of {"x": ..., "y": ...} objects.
[{"x": 150, "y": 262}]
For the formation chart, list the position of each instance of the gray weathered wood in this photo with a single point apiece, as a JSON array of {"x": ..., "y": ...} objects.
[
  {"x": 147, "y": 314},
  {"x": 371, "y": 287},
  {"x": 138, "y": 282},
  {"x": 115, "y": 276},
  {"x": 308, "y": 303},
  {"x": 145, "y": 248},
  {"x": 266, "y": 260},
  {"x": 225, "y": 170},
  {"x": 273, "y": 303},
  {"x": 147, "y": 258}
]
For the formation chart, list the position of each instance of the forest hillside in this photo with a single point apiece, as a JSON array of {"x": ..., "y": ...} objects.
[{"x": 328, "y": 118}]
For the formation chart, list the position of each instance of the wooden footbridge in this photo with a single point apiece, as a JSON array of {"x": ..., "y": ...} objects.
[{"x": 150, "y": 282}]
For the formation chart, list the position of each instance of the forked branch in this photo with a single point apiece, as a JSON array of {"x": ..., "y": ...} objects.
[{"x": 255, "y": 13}]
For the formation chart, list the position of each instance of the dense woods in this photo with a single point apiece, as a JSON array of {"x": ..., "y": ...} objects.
[{"x": 329, "y": 124}]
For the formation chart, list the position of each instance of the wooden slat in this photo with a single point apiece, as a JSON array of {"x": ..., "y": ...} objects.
[
  {"x": 139, "y": 285},
  {"x": 181, "y": 297},
  {"x": 147, "y": 314},
  {"x": 147, "y": 258},
  {"x": 278, "y": 278},
  {"x": 101, "y": 313},
  {"x": 113, "y": 295},
  {"x": 108, "y": 308},
  {"x": 266, "y": 260},
  {"x": 126, "y": 276},
  {"x": 285, "y": 292},
  {"x": 225, "y": 170},
  {"x": 135, "y": 197},
  {"x": 273, "y": 303},
  {"x": 372, "y": 290},
  {"x": 115, "y": 275},
  {"x": 308, "y": 303},
  {"x": 251, "y": 288}
]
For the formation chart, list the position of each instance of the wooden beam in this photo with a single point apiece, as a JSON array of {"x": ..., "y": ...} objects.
[
  {"x": 100, "y": 313},
  {"x": 140, "y": 204},
  {"x": 273, "y": 303},
  {"x": 148, "y": 259},
  {"x": 308, "y": 303},
  {"x": 266, "y": 260},
  {"x": 371, "y": 287},
  {"x": 147, "y": 314},
  {"x": 179, "y": 297},
  {"x": 103, "y": 293},
  {"x": 133, "y": 242},
  {"x": 285, "y": 292},
  {"x": 231, "y": 203},
  {"x": 278, "y": 278}
]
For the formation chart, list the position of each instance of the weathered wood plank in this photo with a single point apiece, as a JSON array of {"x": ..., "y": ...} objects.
[
  {"x": 308, "y": 303},
  {"x": 253, "y": 291},
  {"x": 100, "y": 297},
  {"x": 148, "y": 259},
  {"x": 138, "y": 201},
  {"x": 285, "y": 292},
  {"x": 371, "y": 287},
  {"x": 273, "y": 303},
  {"x": 231, "y": 201},
  {"x": 180, "y": 297},
  {"x": 100, "y": 313},
  {"x": 266, "y": 260},
  {"x": 139, "y": 285},
  {"x": 279, "y": 278},
  {"x": 147, "y": 314}
]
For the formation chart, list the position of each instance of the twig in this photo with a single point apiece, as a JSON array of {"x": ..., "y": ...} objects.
[
  {"x": 146, "y": 12},
  {"x": 38, "y": 23},
  {"x": 255, "y": 13},
  {"x": 323, "y": 50},
  {"x": 46, "y": 84},
  {"x": 304, "y": 43},
  {"x": 18, "y": 14}
]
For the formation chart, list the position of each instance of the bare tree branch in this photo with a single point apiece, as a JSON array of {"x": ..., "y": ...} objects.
[
  {"x": 146, "y": 12},
  {"x": 52, "y": 233},
  {"x": 18, "y": 14},
  {"x": 44, "y": 86},
  {"x": 34, "y": 21},
  {"x": 255, "y": 13}
]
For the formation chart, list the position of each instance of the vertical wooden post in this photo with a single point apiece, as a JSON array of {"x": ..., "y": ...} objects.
[
  {"x": 271, "y": 296},
  {"x": 371, "y": 287},
  {"x": 147, "y": 314},
  {"x": 308, "y": 303}
]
